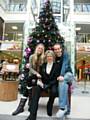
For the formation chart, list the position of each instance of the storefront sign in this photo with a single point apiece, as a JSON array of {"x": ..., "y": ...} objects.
[
  {"x": 85, "y": 47},
  {"x": 10, "y": 46}
]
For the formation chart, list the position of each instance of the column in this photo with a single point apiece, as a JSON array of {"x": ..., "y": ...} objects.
[{"x": 72, "y": 35}]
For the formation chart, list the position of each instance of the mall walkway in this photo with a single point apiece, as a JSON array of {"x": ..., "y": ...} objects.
[{"x": 80, "y": 107}]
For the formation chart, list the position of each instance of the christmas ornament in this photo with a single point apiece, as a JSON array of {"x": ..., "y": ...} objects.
[
  {"x": 48, "y": 28},
  {"x": 46, "y": 20},
  {"x": 27, "y": 50},
  {"x": 38, "y": 41},
  {"x": 49, "y": 40},
  {"x": 45, "y": 36},
  {"x": 28, "y": 65},
  {"x": 43, "y": 41},
  {"x": 38, "y": 35}
]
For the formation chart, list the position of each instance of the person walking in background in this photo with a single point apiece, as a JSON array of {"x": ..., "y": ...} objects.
[
  {"x": 35, "y": 61},
  {"x": 64, "y": 79},
  {"x": 48, "y": 81}
]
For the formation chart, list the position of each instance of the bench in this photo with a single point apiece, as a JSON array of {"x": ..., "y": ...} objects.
[{"x": 45, "y": 94}]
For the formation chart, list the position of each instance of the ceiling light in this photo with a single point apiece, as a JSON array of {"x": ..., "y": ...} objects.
[
  {"x": 6, "y": 34},
  {"x": 19, "y": 34},
  {"x": 14, "y": 27},
  {"x": 78, "y": 28},
  {"x": 35, "y": 11}
]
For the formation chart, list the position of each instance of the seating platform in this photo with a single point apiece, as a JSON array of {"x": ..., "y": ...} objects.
[{"x": 80, "y": 107}]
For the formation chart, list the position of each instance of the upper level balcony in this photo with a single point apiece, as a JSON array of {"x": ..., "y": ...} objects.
[
  {"x": 13, "y": 12},
  {"x": 82, "y": 12},
  {"x": 16, "y": 7},
  {"x": 82, "y": 7}
]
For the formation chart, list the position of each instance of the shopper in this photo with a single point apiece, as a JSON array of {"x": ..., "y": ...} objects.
[
  {"x": 64, "y": 79},
  {"x": 35, "y": 61},
  {"x": 47, "y": 82}
]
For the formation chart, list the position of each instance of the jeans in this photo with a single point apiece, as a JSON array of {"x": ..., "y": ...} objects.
[{"x": 63, "y": 91}]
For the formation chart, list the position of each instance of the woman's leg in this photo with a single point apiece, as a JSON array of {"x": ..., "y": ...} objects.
[
  {"x": 22, "y": 102},
  {"x": 53, "y": 94},
  {"x": 34, "y": 103}
]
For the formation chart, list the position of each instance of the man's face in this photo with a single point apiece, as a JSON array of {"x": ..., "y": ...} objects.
[{"x": 57, "y": 50}]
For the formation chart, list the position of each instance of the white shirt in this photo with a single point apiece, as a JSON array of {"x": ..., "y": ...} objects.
[{"x": 49, "y": 67}]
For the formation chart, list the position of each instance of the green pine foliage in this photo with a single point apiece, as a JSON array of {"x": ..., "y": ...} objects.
[{"x": 46, "y": 30}]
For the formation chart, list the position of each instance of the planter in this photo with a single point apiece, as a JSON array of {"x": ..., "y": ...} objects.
[{"x": 8, "y": 90}]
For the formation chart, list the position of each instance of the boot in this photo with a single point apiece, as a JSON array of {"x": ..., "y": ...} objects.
[
  {"x": 20, "y": 107},
  {"x": 49, "y": 109},
  {"x": 50, "y": 106}
]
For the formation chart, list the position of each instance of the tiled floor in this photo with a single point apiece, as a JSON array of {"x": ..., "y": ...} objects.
[{"x": 80, "y": 105}]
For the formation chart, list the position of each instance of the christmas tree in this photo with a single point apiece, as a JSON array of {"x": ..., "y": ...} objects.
[{"x": 46, "y": 32}]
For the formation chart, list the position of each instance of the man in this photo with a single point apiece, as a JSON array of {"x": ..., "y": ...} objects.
[{"x": 64, "y": 79}]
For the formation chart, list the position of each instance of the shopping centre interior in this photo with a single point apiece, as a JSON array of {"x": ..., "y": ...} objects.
[{"x": 18, "y": 18}]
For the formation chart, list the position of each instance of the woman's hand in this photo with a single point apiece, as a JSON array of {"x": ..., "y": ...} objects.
[
  {"x": 38, "y": 75},
  {"x": 39, "y": 82}
]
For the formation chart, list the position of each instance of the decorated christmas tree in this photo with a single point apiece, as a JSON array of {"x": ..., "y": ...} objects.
[{"x": 46, "y": 32}]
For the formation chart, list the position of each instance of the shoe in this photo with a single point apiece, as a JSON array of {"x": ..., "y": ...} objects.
[
  {"x": 17, "y": 111},
  {"x": 67, "y": 113},
  {"x": 60, "y": 113},
  {"x": 20, "y": 107},
  {"x": 50, "y": 106},
  {"x": 49, "y": 109},
  {"x": 31, "y": 117}
]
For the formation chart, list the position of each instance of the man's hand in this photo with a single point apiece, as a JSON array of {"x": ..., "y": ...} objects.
[
  {"x": 39, "y": 82},
  {"x": 60, "y": 78}
]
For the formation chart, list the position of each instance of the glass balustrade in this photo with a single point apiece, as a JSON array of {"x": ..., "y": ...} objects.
[
  {"x": 83, "y": 38},
  {"x": 16, "y": 7},
  {"x": 82, "y": 7}
]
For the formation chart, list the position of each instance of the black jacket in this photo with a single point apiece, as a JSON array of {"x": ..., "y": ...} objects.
[{"x": 49, "y": 79}]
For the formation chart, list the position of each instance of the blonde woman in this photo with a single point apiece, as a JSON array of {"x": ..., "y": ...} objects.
[
  {"x": 35, "y": 61},
  {"x": 48, "y": 72}
]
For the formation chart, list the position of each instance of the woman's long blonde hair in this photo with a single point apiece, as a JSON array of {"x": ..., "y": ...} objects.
[{"x": 35, "y": 58}]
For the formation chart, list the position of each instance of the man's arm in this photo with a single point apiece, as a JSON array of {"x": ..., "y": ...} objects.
[
  {"x": 65, "y": 66},
  {"x": 65, "y": 63}
]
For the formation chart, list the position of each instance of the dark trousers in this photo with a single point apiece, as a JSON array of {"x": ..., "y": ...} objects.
[
  {"x": 32, "y": 80},
  {"x": 35, "y": 98},
  {"x": 29, "y": 81}
]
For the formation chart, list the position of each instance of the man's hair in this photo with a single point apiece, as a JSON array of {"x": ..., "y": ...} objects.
[{"x": 61, "y": 45}]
